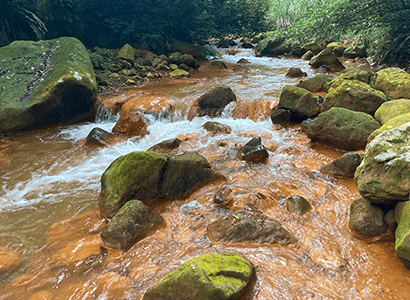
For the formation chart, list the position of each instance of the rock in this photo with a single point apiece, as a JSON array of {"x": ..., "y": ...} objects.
[
  {"x": 166, "y": 146},
  {"x": 297, "y": 204},
  {"x": 226, "y": 43},
  {"x": 258, "y": 110},
  {"x": 253, "y": 151},
  {"x": 218, "y": 65},
  {"x": 157, "y": 105},
  {"x": 113, "y": 286},
  {"x": 337, "y": 48},
  {"x": 183, "y": 67},
  {"x": 402, "y": 241},
  {"x": 308, "y": 55},
  {"x": 314, "y": 84},
  {"x": 132, "y": 123},
  {"x": 188, "y": 60},
  {"x": 392, "y": 123},
  {"x": 391, "y": 109},
  {"x": 394, "y": 83},
  {"x": 297, "y": 52},
  {"x": 243, "y": 61},
  {"x": 383, "y": 176},
  {"x": 198, "y": 52},
  {"x": 354, "y": 51},
  {"x": 212, "y": 103},
  {"x": 314, "y": 47},
  {"x": 342, "y": 128},
  {"x": 343, "y": 166},
  {"x": 99, "y": 137},
  {"x": 323, "y": 69},
  {"x": 306, "y": 124},
  {"x": 126, "y": 52},
  {"x": 151, "y": 177},
  {"x": 271, "y": 47},
  {"x": 295, "y": 72},
  {"x": 302, "y": 103},
  {"x": 209, "y": 276},
  {"x": 45, "y": 82},
  {"x": 174, "y": 57},
  {"x": 178, "y": 73},
  {"x": 247, "y": 45},
  {"x": 9, "y": 260},
  {"x": 217, "y": 128},
  {"x": 282, "y": 116},
  {"x": 354, "y": 95},
  {"x": 328, "y": 58},
  {"x": 42, "y": 295},
  {"x": 245, "y": 226},
  {"x": 133, "y": 222},
  {"x": 359, "y": 75},
  {"x": 366, "y": 219}
]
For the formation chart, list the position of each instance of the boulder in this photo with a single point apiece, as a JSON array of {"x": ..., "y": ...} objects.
[
  {"x": 126, "y": 52},
  {"x": 9, "y": 260},
  {"x": 174, "y": 57},
  {"x": 328, "y": 58},
  {"x": 212, "y": 103},
  {"x": 218, "y": 65},
  {"x": 282, "y": 116},
  {"x": 391, "y": 109},
  {"x": 394, "y": 83},
  {"x": 314, "y": 47},
  {"x": 354, "y": 95},
  {"x": 360, "y": 75},
  {"x": 354, "y": 51},
  {"x": 151, "y": 177},
  {"x": 345, "y": 165},
  {"x": 198, "y": 52},
  {"x": 179, "y": 73},
  {"x": 222, "y": 276},
  {"x": 132, "y": 123},
  {"x": 337, "y": 48},
  {"x": 366, "y": 219},
  {"x": 295, "y": 72},
  {"x": 246, "y": 226},
  {"x": 297, "y": 204},
  {"x": 314, "y": 84},
  {"x": 383, "y": 177},
  {"x": 188, "y": 60},
  {"x": 302, "y": 103},
  {"x": 157, "y": 105},
  {"x": 99, "y": 137},
  {"x": 392, "y": 123},
  {"x": 308, "y": 55},
  {"x": 166, "y": 146},
  {"x": 247, "y": 45},
  {"x": 342, "y": 128},
  {"x": 217, "y": 128},
  {"x": 253, "y": 151},
  {"x": 402, "y": 241},
  {"x": 45, "y": 82},
  {"x": 133, "y": 222},
  {"x": 271, "y": 47}
]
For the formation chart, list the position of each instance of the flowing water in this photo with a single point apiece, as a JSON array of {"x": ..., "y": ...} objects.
[{"x": 47, "y": 176}]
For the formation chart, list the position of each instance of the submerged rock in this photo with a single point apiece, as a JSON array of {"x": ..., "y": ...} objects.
[
  {"x": 297, "y": 204},
  {"x": 253, "y": 151},
  {"x": 9, "y": 261},
  {"x": 45, "y": 82},
  {"x": 132, "y": 123},
  {"x": 246, "y": 226},
  {"x": 210, "y": 276},
  {"x": 217, "y": 128},
  {"x": 345, "y": 165}
]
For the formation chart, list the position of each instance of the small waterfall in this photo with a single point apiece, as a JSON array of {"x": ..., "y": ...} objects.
[{"x": 104, "y": 115}]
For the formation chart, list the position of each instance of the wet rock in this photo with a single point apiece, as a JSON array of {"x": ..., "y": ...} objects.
[
  {"x": 314, "y": 47},
  {"x": 394, "y": 83},
  {"x": 343, "y": 166},
  {"x": 297, "y": 204},
  {"x": 166, "y": 146},
  {"x": 354, "y": 95},
  {"x": 367, "y": 219},
  {"x": 256, "y": 110},
  {"x": 295, "y": 72},
  {"x": 253, "y": 151},
  {"x": 308, "y": 55},
  {"x": 79, "y": 252},
  {"x": 45, "y": 82},
  {"x": 42, "y": 295},
  {"x": 382, "y": 177},
  {"x": 314, "y": 84},
  {"x": 75, "y": 291},
  {"x": 337, "y": 48},
  {"x": 391, "y": 109},
  {"x": 212, "y": 103},
  {"x": 402, "y": 242},
  {"x": 282, "y": 116},
  {"x": 99, "y": 137},
  {"x": 359, "y": 75},
  {"x": 209, "y": 276},
  {"x": 152, "y": 177},
  {"x": 174, "y": 57},
  {"x": 183, "y": 67},
  {"x": 324, "y": 69},
  {"x": 188, "y": 60},
  {"x": 306, "y": 124},
  {"x": 354, "y": 51},
  {"x": 272, "y": 47},
  {"x": 302, "y": 103},
  {"x": 297, "y": 52},
  {"x": 178, "y": 73},
  {"x": 226, "y": 43},
  {"x": 9, "y": 260},
  {"x": 246, "y": 226},
  {"x": 392, "y": 123},
  {"x": 342, "y": 128},
  {"x": 217, "y": 128},
  {"x": 328, "y": 58},
  {"x": 390, "y": 220},
  {"x": 132, "y": 123},
  {"x": 327, "y": 259},
  {"x": 247, "y": 45},
  {"x": 243, "y": 61},
  {"x": 133, "y": 222},
  {"x": 218, "y": 65},
  {"x": 157, "y": 105},
  {"x": 113, "y": 286},
  {"x": 126, "y": 52}
]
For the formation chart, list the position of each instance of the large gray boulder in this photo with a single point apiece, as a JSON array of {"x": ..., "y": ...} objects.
[{"x": 45, "y": 82}]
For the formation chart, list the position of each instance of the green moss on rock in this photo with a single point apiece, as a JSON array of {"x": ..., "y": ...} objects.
[
  {"x": 360, "y": 75},
  {"x": 394, "y": 83},
  {"x": 392, "y": 109},
  {"x": 402, "y": 241},
  {"x": 392, "y": 123}
]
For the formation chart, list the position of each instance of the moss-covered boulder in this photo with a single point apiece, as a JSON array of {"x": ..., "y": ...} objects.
[
  {"x": 272, "y": 47},
  {"x": 297, "y": 204},
  {"x": 179, "y": 73},
  {"x": 246, "y": 226},
  {"x": 302, "y": 103},
  {"x": 384, "y": 174},
  {"x": 151, "y": 177},
  {"x": 45, "y": 82},
  {"x": 342, "y": 128},
  {"x": 394, "y": 83},
  {"x": 354, "y": 51},
  {"x": 345, "y": 165},
  {"x": 282, "y": 116},
  {"x": 337, "y": 48},
  {"x": 354, "y": 95},
  {"x": 295, "y": 72},
  {"x": 126, "y": 52},
  {"x": 402, "y": 241},
  {"x": 314, "y": 47},
  {"x": 210, "y": 276},
  {"x": 253, "y": 151},
  {"x": 130, "y": 224},
  {"x": 392, "y": 123},
  {"x": 188, "y": 60},
  {"x": 391, "y": 109},
  {"x": 314, "y": 84},
  {"x": 359, "y": 75},
  {"x": 328, "y": 58}
]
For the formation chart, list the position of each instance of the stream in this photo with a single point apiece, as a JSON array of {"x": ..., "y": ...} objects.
[{"x": 48, "y": 176}]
